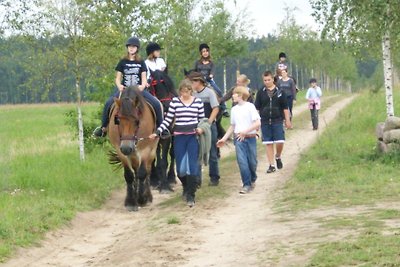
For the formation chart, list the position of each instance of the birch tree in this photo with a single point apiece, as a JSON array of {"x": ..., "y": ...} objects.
[{"x": 363, "y": 24}]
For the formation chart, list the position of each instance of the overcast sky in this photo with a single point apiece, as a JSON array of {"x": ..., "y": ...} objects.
[{"x": 266, "y": 14}]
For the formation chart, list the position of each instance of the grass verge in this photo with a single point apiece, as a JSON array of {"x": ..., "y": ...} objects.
[{"x": 343, "y": 170}]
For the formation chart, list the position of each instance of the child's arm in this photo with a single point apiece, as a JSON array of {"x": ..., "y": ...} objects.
[
  {"x": 254, "y": 126},
  {"x": 308, "y": 93},
  {"x": 228, "y": 133}
]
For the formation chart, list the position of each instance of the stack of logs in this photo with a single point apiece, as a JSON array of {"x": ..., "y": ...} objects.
[{"x": 388, "y": 134}]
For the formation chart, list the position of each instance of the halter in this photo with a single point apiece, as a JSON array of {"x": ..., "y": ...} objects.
[
  {"x": 153, "y": 83},
  {"x": 133, "y": 137}
]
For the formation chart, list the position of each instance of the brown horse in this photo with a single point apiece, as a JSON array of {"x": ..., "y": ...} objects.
[{"x": 131, "y": 122}]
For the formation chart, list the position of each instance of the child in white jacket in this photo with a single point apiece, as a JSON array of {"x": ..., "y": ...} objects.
[{"x": 313, "y": 96}]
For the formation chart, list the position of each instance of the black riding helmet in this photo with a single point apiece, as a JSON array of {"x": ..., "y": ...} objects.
[
  {"x": 151, "y": 47},
  {"x": 202, "y": 46},
  {"x": 133, "y": 41}
]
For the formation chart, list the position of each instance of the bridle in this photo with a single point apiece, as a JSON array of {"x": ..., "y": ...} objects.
[{"x": 133, "y": 118}]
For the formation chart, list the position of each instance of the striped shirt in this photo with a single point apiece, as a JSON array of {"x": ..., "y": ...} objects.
[{"x": 186, "y": 117}]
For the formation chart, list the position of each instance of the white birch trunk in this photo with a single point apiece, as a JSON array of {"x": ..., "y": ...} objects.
[
  {"x": 80, "y": 138},
  {"x": 224, "y": 90},
  {"x": 80, "y": 120},
  {"x": 388, "y": 74}
]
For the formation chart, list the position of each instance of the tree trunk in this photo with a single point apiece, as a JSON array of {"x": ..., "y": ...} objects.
[
  {"x": 80, "y": 120},
  {"x": 224, "y": 90},
  {"x": 388, "y": 74}
]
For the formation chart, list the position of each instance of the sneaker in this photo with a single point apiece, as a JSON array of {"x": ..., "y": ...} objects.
[
  {"x": 271, "y": 169},
  {"x": 226, "y": 114},
  {"x": 213, "y": 183},
  {"x": 253, "y": 185},
  {"x": 245, "y": 190},
  {"x": 279, "y": 164},
  {"x": 98, "y": 132}
]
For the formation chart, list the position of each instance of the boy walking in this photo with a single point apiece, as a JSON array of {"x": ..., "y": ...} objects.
[
  {"x": 314, "y": 101},
  {"x": 245, "y": 120},
  {"x": 272, "y": 105}
]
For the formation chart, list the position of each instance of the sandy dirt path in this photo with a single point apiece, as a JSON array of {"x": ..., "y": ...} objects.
[{"x": 239, "y": 230}]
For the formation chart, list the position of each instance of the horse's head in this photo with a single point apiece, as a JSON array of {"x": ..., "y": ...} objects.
[
  {"x": 162, "y": 86},
  {"x": 130, "y": 107}
]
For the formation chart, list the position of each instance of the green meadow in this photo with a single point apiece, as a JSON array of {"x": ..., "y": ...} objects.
[{"x": 43, "y": 183}]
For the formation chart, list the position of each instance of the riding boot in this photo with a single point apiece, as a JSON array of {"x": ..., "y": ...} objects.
[
  {"x": 191, "y": 184},
  {"x": 183, "y": 180}
]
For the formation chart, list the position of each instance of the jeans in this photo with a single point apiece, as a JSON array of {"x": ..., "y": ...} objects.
[
  {"x": 107, "y": 106},
  {"x": 314, "y": 117},
  {"x": 149, "y": 97},
  {"x": 213, "y": 168},
  {"x": 246, "y": 156},
  {"x": 218, "y": 90},
  {"x": 186, "y": 149}
]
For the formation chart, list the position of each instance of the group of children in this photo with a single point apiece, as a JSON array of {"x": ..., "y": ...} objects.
[{"x": 195, "y": 110}]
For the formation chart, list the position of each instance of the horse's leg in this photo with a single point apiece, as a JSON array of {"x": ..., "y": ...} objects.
[
  {"x": 165, "y": 187},
  {"x": 154, "y": 180},
  {"x": 131, "y": 189},
  {"x": 156, "y": 173},
  {"x": 171, "y": 170},
  {"x": 143, "y": 175}
]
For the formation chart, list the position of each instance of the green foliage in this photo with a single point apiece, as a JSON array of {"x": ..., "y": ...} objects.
[
  {"x": 356, "y": 23},
  {"x": 89, "y": 125}
]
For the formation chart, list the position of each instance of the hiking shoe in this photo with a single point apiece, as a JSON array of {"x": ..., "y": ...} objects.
[
  {"x": 271, "y": 169},
  {"x": 226, "y": 114},
  {"x": 98, "y": 132},
  {"x": 279, "y": 164},
  {"x": 245, "y": 190},
  {"x": 213, "y": 183},
  {"x": 253, "y": 185}
]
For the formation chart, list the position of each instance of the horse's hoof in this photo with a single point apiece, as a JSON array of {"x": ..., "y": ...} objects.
[{"x": 132, "y": 208}]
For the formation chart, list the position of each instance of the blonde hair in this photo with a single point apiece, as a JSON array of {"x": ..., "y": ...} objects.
[
  {"x": 243, "y": 77},
  {"x": 185, "y": 84},
  {"x": 241, "y": 91}
]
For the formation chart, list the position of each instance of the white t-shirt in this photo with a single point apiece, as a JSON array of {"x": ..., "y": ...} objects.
[
  {"x": 243, "y": 116},
  {"x": 153, "y": 65}
]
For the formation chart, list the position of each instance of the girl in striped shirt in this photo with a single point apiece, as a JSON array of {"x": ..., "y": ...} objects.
[{"x": 187, "y": 111}]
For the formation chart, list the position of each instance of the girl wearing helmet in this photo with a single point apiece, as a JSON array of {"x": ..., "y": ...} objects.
[
  {"x": 154, "y": 61},
  {"x": 130, "y": 70},
  {"x": 206, "y": 67}
]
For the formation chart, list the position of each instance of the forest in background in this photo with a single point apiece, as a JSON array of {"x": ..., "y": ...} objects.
[{"x": 58, "y": 49}]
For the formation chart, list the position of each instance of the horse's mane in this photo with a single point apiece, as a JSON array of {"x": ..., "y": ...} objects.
[
  {"x": 132, "y": 101},
  {"x": 162, "y": 77}
]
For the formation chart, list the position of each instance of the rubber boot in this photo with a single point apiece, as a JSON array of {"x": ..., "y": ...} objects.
[
  {"x": 191, "y": 184},
  {"x": 183, "y": 180}
]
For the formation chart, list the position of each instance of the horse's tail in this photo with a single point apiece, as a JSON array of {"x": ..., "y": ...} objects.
[{"x": 113, "y": 159}]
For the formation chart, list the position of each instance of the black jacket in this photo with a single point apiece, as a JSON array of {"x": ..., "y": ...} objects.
[{"x": 271, "y": 108}]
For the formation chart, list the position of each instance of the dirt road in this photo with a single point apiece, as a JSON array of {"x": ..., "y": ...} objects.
[{"x": 239, "y": 230}]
